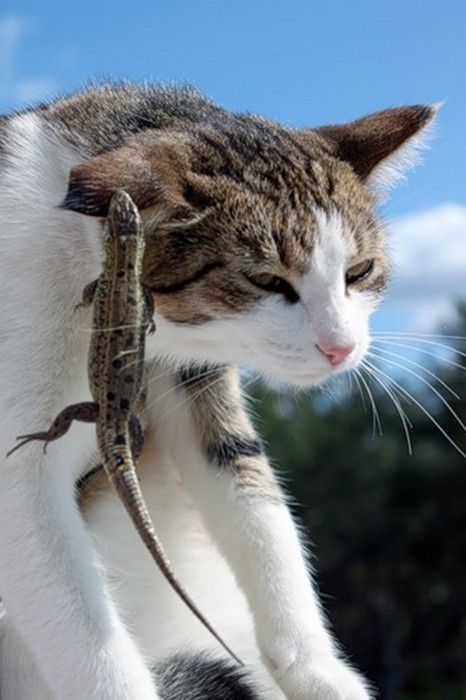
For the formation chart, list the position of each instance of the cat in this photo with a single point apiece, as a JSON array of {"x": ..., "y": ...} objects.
[{"x": 263, "y": 250}]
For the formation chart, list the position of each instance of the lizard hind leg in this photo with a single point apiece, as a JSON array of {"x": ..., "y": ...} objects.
[
  {"x": 136, "y": 434},
  {"x": 86, "y": 412}
]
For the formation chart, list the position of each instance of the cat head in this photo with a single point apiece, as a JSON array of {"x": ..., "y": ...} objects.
[{"x": 263, "y": 248}]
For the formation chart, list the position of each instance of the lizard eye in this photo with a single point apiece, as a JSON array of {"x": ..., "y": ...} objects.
[
  {"x": 275, "y": 284},
  {"x": 359, "y": 272}
]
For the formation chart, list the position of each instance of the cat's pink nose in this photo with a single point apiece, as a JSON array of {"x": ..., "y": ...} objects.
[{"x": 336, "y": 354}]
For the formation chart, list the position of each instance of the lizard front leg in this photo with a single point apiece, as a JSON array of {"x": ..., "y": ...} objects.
[
  {"x": 86, "y": 412},
  {"x": 88, "y": 295}
]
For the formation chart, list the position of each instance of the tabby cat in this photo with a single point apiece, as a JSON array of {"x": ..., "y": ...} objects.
[{"x": 263, "y": 251}]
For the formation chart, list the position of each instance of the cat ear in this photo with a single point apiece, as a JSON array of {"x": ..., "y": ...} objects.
[
  {"x": 149, "y": 173},
  {"x": 381, "y": 146}
]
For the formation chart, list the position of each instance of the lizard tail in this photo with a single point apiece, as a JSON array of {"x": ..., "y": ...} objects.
[{"x": 129, "y": 491}]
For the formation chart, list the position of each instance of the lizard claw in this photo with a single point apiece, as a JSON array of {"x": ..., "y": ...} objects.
[{"x": 25, "y": 439}]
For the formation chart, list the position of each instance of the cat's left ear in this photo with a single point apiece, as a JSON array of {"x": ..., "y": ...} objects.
[
  {"x": 151, "y": 173},
  {"x": 381, "y": 146}
]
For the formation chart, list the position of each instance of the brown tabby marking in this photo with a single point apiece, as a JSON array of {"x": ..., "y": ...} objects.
[{"x": 228, "y": 194}]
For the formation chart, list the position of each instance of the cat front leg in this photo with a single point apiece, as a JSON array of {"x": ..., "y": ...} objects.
[
  {"x": 246, "y": 514},
  {"x": 50, "y": 583}
]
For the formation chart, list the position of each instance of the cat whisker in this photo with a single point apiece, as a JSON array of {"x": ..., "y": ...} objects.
[
  {"x": 123, "y": 353},
  {"x": 420, "y": 366},
  {"x": 422, "y": 351},
  {"x": 428, "y": 342},
  {"x": 202, "y": 375},
  {"x": 61, "y": 326},
  {"x": 129, "y": 365},
  {"x": 376, "y": 422},
  {"x": 179, "y": 385},
  {"x": 201, "y": 391},
  {"x": 190, "y": 399},
  {"x": 405, "y": 392},
  {"x": 391, "y": 393},
  {"x": 414, "y": 336},
  {"x": 356, "y": 374},
  {"x": 392, "y": 363},
  {"x": 109, "y": 329}
]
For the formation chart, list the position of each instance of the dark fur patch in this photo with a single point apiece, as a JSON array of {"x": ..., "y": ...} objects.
[
  {"x": 201, "y": 677},
  {"x": 228, "y": 448},
  {"x": 192, "y": 374}
]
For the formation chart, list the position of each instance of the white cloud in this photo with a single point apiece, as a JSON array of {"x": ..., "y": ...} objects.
[
  {"x": 429, "y": 251},
  {"x": 11, "y": 30},
  {"x": 18, "y": 90}
]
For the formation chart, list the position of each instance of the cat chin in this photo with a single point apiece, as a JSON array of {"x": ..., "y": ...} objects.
[{"x": 295, "y": 380}]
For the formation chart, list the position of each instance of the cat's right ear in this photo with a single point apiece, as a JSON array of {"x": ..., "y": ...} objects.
[
  {"x": 382, "y": 145},
  {"x": 150, "y": 174}
]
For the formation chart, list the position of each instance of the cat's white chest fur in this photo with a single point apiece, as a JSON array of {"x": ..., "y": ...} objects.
[{"x": 160, "y": 621}]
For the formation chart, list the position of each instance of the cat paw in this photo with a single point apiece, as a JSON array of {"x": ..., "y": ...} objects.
[{"x": 320, "y": 678}]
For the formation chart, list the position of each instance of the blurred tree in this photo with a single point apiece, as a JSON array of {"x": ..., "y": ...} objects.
[{"x": 389, "y": 528}]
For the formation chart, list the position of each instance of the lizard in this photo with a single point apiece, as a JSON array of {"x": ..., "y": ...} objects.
[{"x": 122, "y": 315}]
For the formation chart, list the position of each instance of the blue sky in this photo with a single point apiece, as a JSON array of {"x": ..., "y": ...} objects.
[
  {"x": 298, "y": 61},
  {"x": 303, "y": 62}
]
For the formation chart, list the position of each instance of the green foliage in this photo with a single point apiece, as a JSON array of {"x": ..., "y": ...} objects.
[{"x": 389, "y": 528}]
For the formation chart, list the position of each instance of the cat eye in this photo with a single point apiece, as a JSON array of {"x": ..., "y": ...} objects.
[
  {"x": 359, "y": 272},
  {"x": 275, "y": 284}
]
